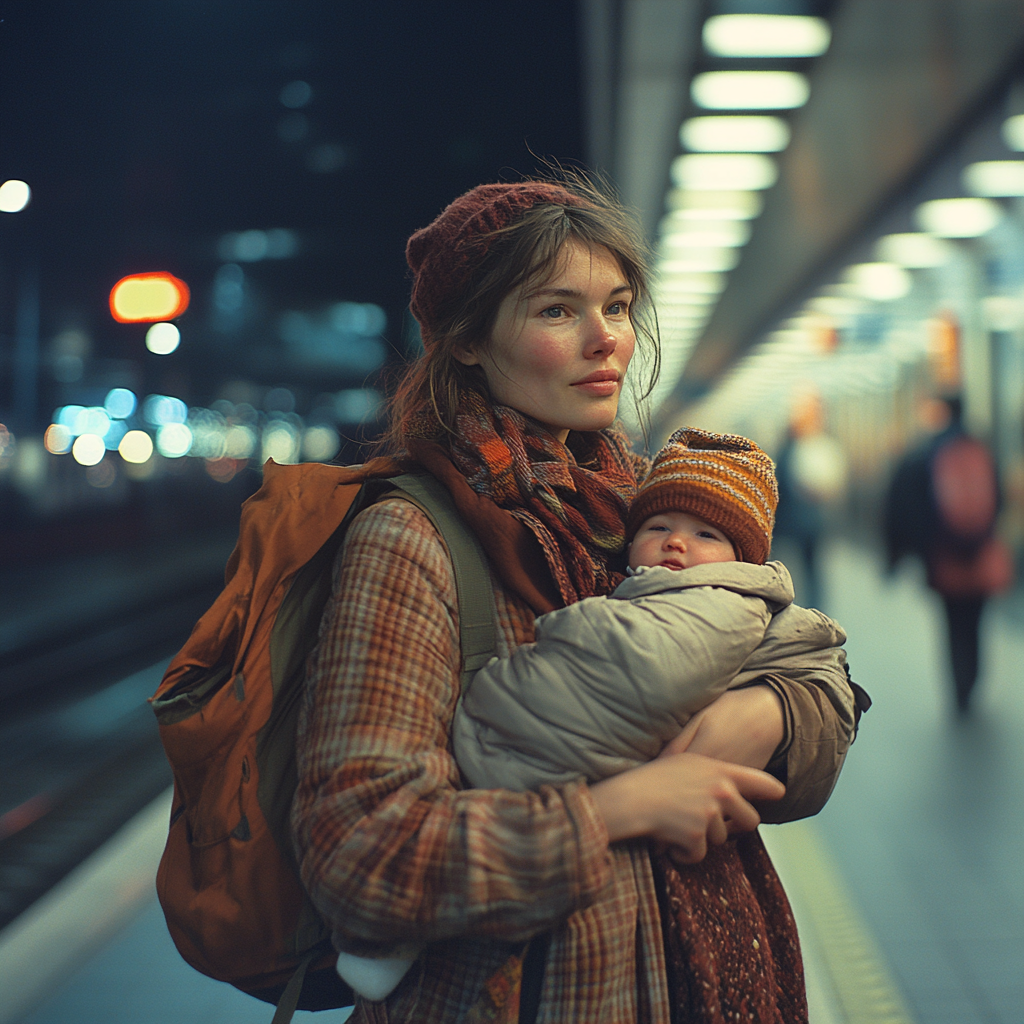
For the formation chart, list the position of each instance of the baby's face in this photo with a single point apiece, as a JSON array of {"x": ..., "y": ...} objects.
[{"x": 678, "y": 540}]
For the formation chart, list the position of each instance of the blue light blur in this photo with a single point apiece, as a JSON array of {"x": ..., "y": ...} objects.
[{"x": 120, "y": 403}]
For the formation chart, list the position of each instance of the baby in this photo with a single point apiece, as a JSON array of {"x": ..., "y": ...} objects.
[{"x": 610, "y": 681}]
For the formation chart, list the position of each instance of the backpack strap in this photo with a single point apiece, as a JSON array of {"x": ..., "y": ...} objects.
[{"x": 477, "y": 612}]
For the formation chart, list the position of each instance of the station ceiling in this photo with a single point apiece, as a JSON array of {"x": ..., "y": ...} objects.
[{"x": 898, "y": 84}]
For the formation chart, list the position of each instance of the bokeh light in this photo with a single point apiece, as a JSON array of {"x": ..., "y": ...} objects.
[
  {"x": 14, "y": 196},
  {"x": 162, "y": 339},
  {"x": 144, "y": 298},
  {"x": 173, "y": 440},
  {"x": 136, "y": 447},
  {"x": 57, "y": 439},
  {"x": 120, "y": 403},
  {"x": 88, "y": 449}
]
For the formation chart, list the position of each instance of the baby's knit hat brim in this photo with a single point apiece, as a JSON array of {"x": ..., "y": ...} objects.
[{"x": 723, "y": 479}]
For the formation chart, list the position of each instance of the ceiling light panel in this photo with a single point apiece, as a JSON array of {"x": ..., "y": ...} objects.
[
  {"x": 766, "y": 35},
  {"x": 739, "y": 134},
  {"x": 750, "y": 90}
]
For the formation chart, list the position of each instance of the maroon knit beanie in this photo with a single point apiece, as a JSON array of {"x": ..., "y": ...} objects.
[
  {"x": 444, "y": 255},
  {"x": 724, "y": 479}
]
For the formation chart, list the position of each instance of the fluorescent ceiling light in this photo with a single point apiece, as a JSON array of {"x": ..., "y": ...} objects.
[
  {"x": 1013, "y": 132},
  {"x": 914, "y": 250},
  {"x": 719, "y": 205},
  {"x": 881, "y": 282},
  {"x": 724, "y": 171},
  {"x": 958, "y": 218},
  {"x": 736, "y": 134},
  {"x": 697, "y": 283},
  {"x": 766, "y": 35},
  {"x": 697, "y": 260},
  {"x": 995, "y": 178},
  {"x": 724, "y": 234},
  {"x": 750, "y": 90}
]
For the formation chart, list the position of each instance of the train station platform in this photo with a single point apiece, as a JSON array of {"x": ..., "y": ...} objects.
[{"x": 908, "y": 887}]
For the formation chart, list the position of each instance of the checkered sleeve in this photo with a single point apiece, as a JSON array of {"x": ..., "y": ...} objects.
[{"x": 390, "y": 847}]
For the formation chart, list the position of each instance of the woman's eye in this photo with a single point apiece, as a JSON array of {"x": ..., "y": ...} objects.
[
  {"x": 617, "y": 308},
  {"x": 553, "y": 313}
]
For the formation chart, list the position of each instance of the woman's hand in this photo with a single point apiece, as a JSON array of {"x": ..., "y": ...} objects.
[
  {"x": 684, "y": 800},
  {"x": 742, "y": 726}
]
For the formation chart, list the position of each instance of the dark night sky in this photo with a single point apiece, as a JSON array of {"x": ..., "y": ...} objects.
[{"x": 147, "y": 128}]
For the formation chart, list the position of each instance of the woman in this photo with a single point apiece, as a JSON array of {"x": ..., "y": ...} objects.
[{"x": 530, "y": 298}]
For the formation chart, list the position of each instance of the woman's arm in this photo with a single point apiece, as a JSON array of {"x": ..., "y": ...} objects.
[{"x": 389, "y": 847}]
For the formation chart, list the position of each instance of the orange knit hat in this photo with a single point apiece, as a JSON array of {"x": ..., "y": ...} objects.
[{"x": 724, "y": 479}]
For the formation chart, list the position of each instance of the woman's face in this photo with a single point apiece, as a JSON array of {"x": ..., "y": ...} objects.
[{"x": 559, "y": 350}]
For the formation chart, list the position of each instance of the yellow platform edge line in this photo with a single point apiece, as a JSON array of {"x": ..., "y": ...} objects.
[{"x": 833, "y": 933}]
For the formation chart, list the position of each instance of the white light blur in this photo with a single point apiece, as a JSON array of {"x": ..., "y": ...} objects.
[
  {"x": 14, "y": 196},
  {"x": 693, "y": 283},
  {"x": 958, "y": 218},
  {"x": 709, "y": 234},
  {"x": 766, "y": 35},
  {"x": 162, "y": 409},
  {"x": 726, "y": 171},
  {"x": 750, "y": 90},
  {"x": 281, "y": 442},
  {"x": 296, "y": 94},
  {"x": 120, "y": 403},
  {"x": 209, "y": 434},
  {"x": 173, "y": 440},
  {"x": 88, "y": 449},
  {"x": 881, "y": 282},
  {"x": 1013, "y": 132},
  {"x": 692, "y": 261},
  {"x": 240, "y": 442},
  {"x": 57, "y": 439},
  {"x": 136, "y": 447},
  {"x": 722, "y": 204},
  {"x": 320, "y": 443},
  {"x": 914, "y": 250},
  {"x": 740, "y": 134},
  {"x": 162, "y": 339},
  {"x": 995, "y": 178}
]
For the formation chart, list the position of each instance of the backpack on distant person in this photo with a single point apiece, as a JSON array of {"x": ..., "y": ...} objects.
[
  {"x": 965, "y": 490},
  {"x": 967, "y": 559},
  {"x": 227, "y": 709}
]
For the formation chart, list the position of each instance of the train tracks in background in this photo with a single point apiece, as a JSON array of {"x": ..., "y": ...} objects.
[{"x": 82, "y": 645}]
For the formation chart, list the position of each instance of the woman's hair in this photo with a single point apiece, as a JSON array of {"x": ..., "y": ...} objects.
[{"x": 526, "y": 248}]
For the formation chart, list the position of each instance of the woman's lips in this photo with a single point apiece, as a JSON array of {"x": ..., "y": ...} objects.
[
  {"x": 600, "y": 383},
  {"x": 598, "y": 387}
]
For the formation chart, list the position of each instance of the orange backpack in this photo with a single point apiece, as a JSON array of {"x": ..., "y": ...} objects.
[{"x": 227, "y": 709}]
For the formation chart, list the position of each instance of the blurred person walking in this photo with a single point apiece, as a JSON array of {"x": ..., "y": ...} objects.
[
  {"x": 942, "y": 505},
  {"x": 811, "y": 470}
]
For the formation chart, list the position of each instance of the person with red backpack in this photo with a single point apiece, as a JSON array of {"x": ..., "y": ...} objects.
[
  {"x": 531, "y": 299},
  {"x": 942, "y": 505}
]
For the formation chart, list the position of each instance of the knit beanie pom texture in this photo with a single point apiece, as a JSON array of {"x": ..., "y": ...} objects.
[
  {"x": 724, "y": 479},
  {"x": 444, "y": 255}
]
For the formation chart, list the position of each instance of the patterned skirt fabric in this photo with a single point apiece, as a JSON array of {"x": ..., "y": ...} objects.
[{"x": 730, "y": 939}]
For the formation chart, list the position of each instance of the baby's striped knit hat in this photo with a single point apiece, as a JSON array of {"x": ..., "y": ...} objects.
[{"x": 724, "y": 479}]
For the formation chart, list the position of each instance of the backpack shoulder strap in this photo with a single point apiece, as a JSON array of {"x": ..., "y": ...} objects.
[{"x": 477, "y": 612}]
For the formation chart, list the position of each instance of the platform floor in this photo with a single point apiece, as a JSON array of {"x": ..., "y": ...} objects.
[{"x": 908, "y": 887}]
